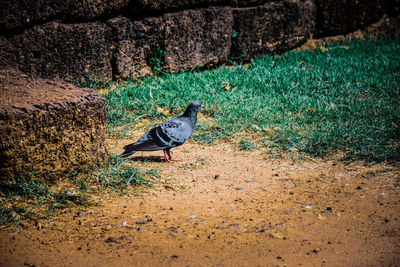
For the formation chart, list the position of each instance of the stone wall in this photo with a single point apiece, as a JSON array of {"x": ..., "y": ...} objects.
[{"x": 89, "y": 39}]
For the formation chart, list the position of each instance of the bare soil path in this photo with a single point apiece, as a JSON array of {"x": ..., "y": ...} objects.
[{"x": 223, "y": 207}]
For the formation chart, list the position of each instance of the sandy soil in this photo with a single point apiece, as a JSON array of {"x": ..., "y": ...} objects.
[{"x": 223, "y": 207}]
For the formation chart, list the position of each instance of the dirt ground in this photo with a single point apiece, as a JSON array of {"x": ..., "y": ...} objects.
[{"x": 224, "y": 207}]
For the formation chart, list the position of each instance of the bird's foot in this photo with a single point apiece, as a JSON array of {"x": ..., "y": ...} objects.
[{"x": 167, "y": 159}]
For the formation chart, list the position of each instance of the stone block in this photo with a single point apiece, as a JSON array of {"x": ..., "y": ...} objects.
[
  {"x": 7, "y": 53},
  {"x": 196, "y": 38},
  {"x": 72, "y": 52},
  {"x": 50, "y": 127},
  {"x": 299, "y": 26},
  {"x": 23, "y": 13},
  {"x": 170, "y": 5},
  {"x": 271, "y": 28},
  {"x": 392, "y": 7},
  {"x": 135, "y": 42},
  {"x": 341, "y": 17}
]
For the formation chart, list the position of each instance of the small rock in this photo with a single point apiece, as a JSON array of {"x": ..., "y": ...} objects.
[
  {"x": 125, "y": 223},
  {"x": 309, "y": 206},
  {"x": 216, "y": 177},
  {"x": 112, "y": 240},
  {"x": 358, "y": 187},
  {"x": 171, "y": 208},
  {"x": 81, "y": 214},
  {"x": 123, "y": 237},
  {"x": 173, "y": 229},
  {"x": 174, "y": 256},
  {"x": 239, "y": 188},
  {"x": 250, "y": 181},
  {"x": 277, "y": 236},
  {"x": 141, "y": 222},
  {"x": 316, "y": 250},
  {"x": 263, "y": 230},
  {"x": 232, "y": 225}
]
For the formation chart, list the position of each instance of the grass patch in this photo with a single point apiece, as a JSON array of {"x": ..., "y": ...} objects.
[
  {"x": 343, "y": 97},
  {"x": 23, "y": 197},
  {"x": 246, "y": 145},
  {"x": 118, "y": 175}
]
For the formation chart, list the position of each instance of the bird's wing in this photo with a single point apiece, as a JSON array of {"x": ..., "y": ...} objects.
[
  {"x": 171, "y": 133},
  {"x": 174, "y": 132}
]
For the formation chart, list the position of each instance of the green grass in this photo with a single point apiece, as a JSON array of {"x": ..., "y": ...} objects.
[
  {"x": 24, "y": 197},
  {"x": 344, "y": 97},
  {"x": 119, "y": 176}
]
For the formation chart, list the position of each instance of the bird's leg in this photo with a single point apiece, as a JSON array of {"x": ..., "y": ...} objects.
[
  {"x": 168, "y": 157},
  {"x": 165, "y": 156}
]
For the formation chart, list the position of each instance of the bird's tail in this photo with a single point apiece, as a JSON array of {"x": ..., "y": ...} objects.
[{"x": 129, "y": 151}]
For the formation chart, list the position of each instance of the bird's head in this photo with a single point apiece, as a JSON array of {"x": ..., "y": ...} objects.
[
  {"x": 196, "y": 105},
  {"x": 192, "y": 109}
]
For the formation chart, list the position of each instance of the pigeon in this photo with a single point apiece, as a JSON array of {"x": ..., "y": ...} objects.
[{"x": 169, "y": 134}]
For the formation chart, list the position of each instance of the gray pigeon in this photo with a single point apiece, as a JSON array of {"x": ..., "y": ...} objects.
[{"x": 169, "y": 134}]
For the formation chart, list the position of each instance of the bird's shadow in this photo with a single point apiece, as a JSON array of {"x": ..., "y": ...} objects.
[{"x": 148, "y": 159}]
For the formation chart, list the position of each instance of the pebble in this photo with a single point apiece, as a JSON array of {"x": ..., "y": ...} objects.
[
  {"x": 173, "y": 229},
  {"x": 328, "y": 210},
  {"x": 250, "y": 181},
  {"x": 141, "y": 222},
  {"x": 277, "y": 236},
  {"x": 239, "y": 188},
  {"x": 232, "y": 225},
  {"x": 309, "y": 206},
  {"x": 124, "y": 223},
  {"x": 112, "y": 240}
]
